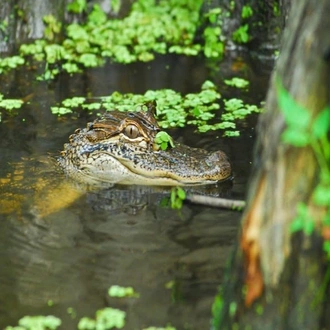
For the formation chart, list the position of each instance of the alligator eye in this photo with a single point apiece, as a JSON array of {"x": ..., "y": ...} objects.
[{"x": 131, "y": 131}]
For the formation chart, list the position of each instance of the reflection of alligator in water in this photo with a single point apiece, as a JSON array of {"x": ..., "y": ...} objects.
[
  {"x": 120, "y": 148},
  {"x": 34, "y": 186}
]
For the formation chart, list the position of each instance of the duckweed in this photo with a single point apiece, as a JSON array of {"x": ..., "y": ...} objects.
[
  {"x": 120, "y": 291},
  {"x": 105, "y": 319},
  {"x": 173, "y": 109},
  {"x": 10, "y": 104},
  {"x": 37, "y": 323},
  {"x": 237, "y": 82},
  {"x": 150, "y": 28}
]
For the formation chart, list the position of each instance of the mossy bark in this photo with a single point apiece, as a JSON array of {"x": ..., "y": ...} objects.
[
  {"x": 279, "y": 280},
  {"x": 23, "y": 20},
  {"x": 264, "y": 24}
]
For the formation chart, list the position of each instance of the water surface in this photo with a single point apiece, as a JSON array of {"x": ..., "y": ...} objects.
[{"x": 61, "y": 243}]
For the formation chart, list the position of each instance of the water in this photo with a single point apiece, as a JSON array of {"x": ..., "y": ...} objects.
[{"x": 67, "y": 246}]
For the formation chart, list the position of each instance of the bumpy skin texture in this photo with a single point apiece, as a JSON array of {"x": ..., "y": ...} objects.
[{"x": 119, "y": 148}]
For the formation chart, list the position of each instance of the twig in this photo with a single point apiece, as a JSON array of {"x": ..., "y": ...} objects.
[{"x": 216, "y": 202}]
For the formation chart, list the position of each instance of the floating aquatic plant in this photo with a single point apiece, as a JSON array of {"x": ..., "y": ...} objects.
[
  {"x": 150, "y": 28},
  {"x": 173, "y": 109}
]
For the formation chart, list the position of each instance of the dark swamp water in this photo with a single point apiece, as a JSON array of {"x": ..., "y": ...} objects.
[{"x": 87, "y": 241}]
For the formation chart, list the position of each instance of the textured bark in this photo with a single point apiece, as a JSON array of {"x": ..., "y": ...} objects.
[
  {"x": 278, "y": 279},
  {"x": 264, "y": 24}
]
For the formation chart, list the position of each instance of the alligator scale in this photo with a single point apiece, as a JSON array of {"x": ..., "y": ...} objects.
[{"x": 120, "y": 148}]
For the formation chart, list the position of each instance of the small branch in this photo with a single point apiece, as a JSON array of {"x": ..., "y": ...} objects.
[{"x": 216, "y": 202}]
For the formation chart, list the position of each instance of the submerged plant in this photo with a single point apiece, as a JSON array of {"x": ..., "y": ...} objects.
[{"x": 178, "y": 195}]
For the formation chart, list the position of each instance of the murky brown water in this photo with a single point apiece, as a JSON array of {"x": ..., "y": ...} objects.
[{"x": 72, "y": 251}]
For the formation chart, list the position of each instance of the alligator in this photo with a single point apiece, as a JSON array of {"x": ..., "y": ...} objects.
[{"x": 120, "y": 148}]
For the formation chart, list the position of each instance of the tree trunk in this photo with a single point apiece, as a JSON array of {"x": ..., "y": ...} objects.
[
  {"x": 280, "y": 280},
  {"x": 22, "y": 20}
]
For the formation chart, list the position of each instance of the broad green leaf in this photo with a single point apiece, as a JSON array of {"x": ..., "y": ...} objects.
[
  {"x": 163, "y": 145},
  {"x": 163, "y": 139},
  {"x": 295, "y": 137},
  {"x": 181, "y": 193},
  {"x": 246, "y": 11},
  {"x": 321, "y": 195},
  {"x": 295, "y": 115},
  {"x": 309, "y": 226},
  {"x": 326, "y": 247},
  {"x": 77, "y": 6},
  {"x": 297, "y": 224},
  {"x": 321, "y": 123}
]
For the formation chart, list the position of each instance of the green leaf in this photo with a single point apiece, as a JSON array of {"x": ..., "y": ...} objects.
[
  {"x": 120, "y": 291},
  {"x": 76, "y": 6},
  {"x": 237, "y": 82},
  {"x": 326, "y": 247},
  {"x": 163, "y": 139},
  {"x": 233, "y": 104},
  {"x": 176, "y": 197},
  {"x": 60, "y": 110},
  {"x": 321, "y": 124},
  {"x": 106, "y": 318},
  {"x": 321, "y": 195},
  {"x": 89, "y": 60},
  {"x": 163, "y": 145},
  {"x": 10, "y": 104},
  {"x": 309, "y": 226},
  {"x": 295, "y": 137},
  {"x": 297, "y": 224},
  {"x": 295, "y": 115},
  {"x": 73, "y": 102},
  {"x": 40, "y": 322},
  {"x": 247, "y": 11},
  {"x": 208, "y": 84},
  {"x": 86, "y": 323},
  {"x": 231, "y": 133},
  {"x": 181, "y": 193},
  {"x": 97, "y": 16}
]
